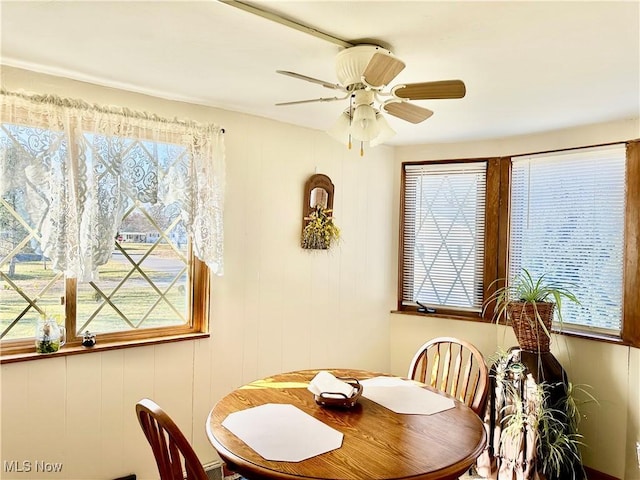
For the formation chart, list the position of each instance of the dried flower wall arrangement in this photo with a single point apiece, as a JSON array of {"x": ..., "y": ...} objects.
[{"x": 320, "y": 232}]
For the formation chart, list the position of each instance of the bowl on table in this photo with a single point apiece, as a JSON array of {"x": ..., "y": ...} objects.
[{"x": 340, "y": 400}]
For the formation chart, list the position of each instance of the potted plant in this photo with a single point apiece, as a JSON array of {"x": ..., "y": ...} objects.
[
  {"x": 320, "y": 231},
  {"x": 537, "y": 422},
  {"x": 529, "y": 303}
]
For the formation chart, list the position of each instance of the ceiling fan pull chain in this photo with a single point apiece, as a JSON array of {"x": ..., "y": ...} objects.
[
  {"x": 350, "y": 117},
  {"x": 361, "y": 148},
  {"x": 351, "y": 108}
]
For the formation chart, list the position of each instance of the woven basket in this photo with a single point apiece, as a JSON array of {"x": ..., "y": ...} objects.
[{"x": 525, "y": 319}]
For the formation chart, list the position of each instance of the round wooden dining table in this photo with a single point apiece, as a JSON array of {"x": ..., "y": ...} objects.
[{"x": 378, "y": 444}]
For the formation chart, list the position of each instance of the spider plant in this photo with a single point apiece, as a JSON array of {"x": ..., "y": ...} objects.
[
  {"x": 558, "y": 447},
  {"x": 526, "y": 289},
  {"x": 531, "y": 407}
]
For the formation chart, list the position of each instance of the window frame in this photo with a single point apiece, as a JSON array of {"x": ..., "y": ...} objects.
[
  {"x": 198, "y": 303},
  {"x": 489, "y": 273},
  {"x": 496, "y": 255},
  {"x": 196, "y": 327}
]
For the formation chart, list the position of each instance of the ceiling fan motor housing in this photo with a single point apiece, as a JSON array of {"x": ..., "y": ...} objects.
[
  {"x": 352, "y": 62},
  {"x": 362, "y": 97}
]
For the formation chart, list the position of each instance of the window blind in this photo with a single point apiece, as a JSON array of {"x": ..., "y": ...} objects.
[
  {"x": 443, "y": 234},
  {"x": 567, "y": 222}
]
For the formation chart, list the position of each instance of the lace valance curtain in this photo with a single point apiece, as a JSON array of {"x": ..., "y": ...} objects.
[{"x": 74, "y": 166}]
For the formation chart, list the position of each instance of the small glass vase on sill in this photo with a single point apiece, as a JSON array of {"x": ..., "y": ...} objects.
[{"x": 49, "y": 335}]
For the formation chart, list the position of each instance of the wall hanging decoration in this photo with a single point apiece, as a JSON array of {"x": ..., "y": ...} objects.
[{"x": 318, "y": 229}]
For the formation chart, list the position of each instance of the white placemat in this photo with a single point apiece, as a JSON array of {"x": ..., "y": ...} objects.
[
  {"x": 282, "y": 432},
  {"x": 404, "y": 396}
]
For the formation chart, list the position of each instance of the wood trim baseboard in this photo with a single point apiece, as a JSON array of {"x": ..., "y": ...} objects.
[{"x": 593, "y": 474}]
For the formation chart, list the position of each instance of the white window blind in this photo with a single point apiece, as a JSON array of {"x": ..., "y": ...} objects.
[
  {"x": 567, "y": 222},
  {"x": 443, "y": 237}
]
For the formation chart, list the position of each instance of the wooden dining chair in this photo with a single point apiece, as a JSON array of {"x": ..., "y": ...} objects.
[
  {"x": 455, "y": 367},
  {"x": 174, "y": 455}
]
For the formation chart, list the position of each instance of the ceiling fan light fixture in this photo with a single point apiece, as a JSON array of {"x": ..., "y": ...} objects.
[
  {"x": 373, "y": 128},
  {"x": 364, "y": 126},
  {"x": 340, "y": 130},
  {"x": 386, "y": 132}
]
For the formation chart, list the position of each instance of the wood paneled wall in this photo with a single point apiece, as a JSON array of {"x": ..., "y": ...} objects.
[{"x": 276, "y": 308}]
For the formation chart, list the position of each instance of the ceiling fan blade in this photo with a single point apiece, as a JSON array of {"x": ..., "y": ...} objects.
[
  {"x": 334, "y": 86},
  {"x": 407, "y": 111},
  {"x": 381, "y": 69},
  {"x": 313, "y": 100},
  {"x": 431, "y": 90}
]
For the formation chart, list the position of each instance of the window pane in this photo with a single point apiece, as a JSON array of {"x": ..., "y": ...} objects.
[
  {"x": 144, "y": 284},
  {"x": 567, "y": 221},
  {"x": 28, "y": 286},
  {"x": 444, "y": 234}
]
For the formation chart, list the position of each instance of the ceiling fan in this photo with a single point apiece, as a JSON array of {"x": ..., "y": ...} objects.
[{"x": 363, "y": 72}]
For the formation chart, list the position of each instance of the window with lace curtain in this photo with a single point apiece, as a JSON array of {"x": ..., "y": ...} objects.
[{"x": 110, "y": 220}]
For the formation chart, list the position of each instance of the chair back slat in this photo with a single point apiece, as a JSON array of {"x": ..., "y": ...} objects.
[
  {"x": 423, "y": 370},
  {"x": 435, "y": 369},
  {"x": 454, "y": 389},
  {"x": 175, "y": 459},
  {"x": 456, "y": 367},
  {"x": 446, "y": 366},
  {"x": 173, "y": 453},
  {"x": 161, "y": 440},
  {"x": 468, "y": 377},
  {"x": 476, "y": 384}
]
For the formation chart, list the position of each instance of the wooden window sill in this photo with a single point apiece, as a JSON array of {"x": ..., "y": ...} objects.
[
  {"x": 99, "y": 347},
  {"x": 469, "y": 317}
]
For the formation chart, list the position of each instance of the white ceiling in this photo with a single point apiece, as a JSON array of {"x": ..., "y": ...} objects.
[{"x": 528, "y": 66}]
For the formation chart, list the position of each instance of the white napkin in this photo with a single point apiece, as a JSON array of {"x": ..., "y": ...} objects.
[{"x": 325, "y": 382}]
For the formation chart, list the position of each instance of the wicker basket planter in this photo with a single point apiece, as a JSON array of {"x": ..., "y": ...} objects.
[{"x": 527, "y": 319}]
